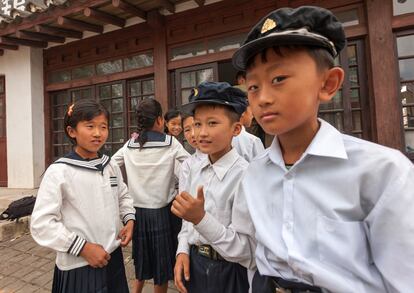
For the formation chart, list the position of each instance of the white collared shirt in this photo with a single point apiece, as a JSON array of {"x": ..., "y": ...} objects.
[
  {"x": 187, "y": 165},
  {"x": 340, "y": 218},
  {"x": 78, "y": 202},
  {"x": 226, "y": 225},
  {"x": 247, "y": 145},
  {"x": 151, "y": 170}
]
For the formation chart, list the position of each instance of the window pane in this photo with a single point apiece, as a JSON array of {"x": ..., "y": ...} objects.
[
  {"x": 353, "y": 76},
  {"x": 403, "y": 6},
  {"x": 226, "y": 43},
  {"x": 1, "y": 85},
  {"x": 409, "y": 141},
  {"x": 105, "y": 92},
  {"x": 355, "y": 102},
  {"x": 118, "y": 135},
  {"x": 117, "y": 120},
  {"x": 352, "y": 57},
  {"x": 406, "y": 69},
  {"x": 135, "y": 88},
  {"x": 117, "y": 105},
  {"x": 109, "y": 67},
  {"x": 59, "y": 76},
  {"x": 405, "y": 46},
  {"x": 188, "y": 51},
  {"x": 2, "y": 108},
  {"x": 107, "y": 105},
  {"x": 334, "y": 119},
  {"x": 133, "y": 104},
  {"x": 117, "y": 90},
  {"x": 335, "y": 103},
  {"x": 148, "y": 87},
  {"x": 184, "y": 95},
  {"x": 204, "y": 75},
  {"x": 82, "y": 72},
  {"x": 349, "y": 17},
  {"x": 188, "y": 79},
  {"x": 356, "y": 121},
  {"x": 138, "y": 61}
]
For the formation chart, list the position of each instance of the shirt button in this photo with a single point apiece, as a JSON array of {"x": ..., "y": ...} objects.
[{"x": 288, "y": 176}]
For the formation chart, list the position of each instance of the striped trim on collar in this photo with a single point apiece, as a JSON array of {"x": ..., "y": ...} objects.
[
  {"x": 132, "y": 143},
  {"x": 97, "y": 164}
]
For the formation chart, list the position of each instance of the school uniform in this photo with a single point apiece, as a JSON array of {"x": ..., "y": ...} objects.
[
  {"x": 186, "y": 167},
  {"x": 151, "y": 182},
  {"x": 339, "y": 219},
  {"x": 222, "y": 240},
  {"x": 83, "y": 201},
  {"x": 247, "y": 145}
]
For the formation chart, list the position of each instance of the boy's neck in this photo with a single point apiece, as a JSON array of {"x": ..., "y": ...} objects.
[
  {"x": 217, "y": 156},
  {"x": 294, "y": 143}
]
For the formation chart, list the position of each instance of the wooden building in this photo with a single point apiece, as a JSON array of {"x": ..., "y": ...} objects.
[{"x": 122, "y": 51}]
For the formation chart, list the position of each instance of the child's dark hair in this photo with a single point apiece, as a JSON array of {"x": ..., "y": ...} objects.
[
  {"x": 148, "y": 111},
  {"x": 240, "y": 74},
  {"x": 322, "y": 58},
  {"x": 184, "y": 116},
  {"x": 171, "y": 114},
  {"x": 82, "y": 110}
]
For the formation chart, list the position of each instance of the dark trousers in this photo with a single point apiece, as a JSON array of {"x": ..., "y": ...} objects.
[
  {"x": 215, "y": 276},
  {"x": 266, "y": 284}
]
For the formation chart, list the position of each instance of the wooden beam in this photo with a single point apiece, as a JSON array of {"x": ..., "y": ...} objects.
[
  {"x": 200, "y": 2},
  {"x": 167, "y": 5},
  {"x": 79, "y": 25},
  {"x": 9, "y": 47},
  {"x": 104, "y": 17},
  {"x": 58, "y": 31},
  {"x": 39, "y": 37},
  {"x": 23, "y": 42},
  {"x": 127, "y": 7}
]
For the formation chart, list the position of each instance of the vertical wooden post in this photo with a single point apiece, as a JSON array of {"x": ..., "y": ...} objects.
[
  {"x": 159, "y": 36},
  {"x": 385, "y": 85}
]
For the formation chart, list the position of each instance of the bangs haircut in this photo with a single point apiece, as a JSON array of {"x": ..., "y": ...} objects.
[
  {"x": 230, "y": 112},
  {"x": 323, "y": 59},
  {"x": 83, "y": 110}
]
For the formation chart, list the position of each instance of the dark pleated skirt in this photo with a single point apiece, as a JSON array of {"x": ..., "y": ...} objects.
[
  {"x": 153, "y": 245},
  {"x": 110, "y": 279}
]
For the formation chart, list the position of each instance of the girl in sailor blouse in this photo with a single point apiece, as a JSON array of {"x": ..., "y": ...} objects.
[{"x": 81, "y": 202}]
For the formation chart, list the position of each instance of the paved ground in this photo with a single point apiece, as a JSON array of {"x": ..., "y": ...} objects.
[{"x": 26, "y": 267}]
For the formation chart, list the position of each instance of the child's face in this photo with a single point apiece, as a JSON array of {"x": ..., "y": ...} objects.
[
  {"x": 174, "y": 126},
  {"x": 188, "y": 128},
  {"x": 214, "y": 131},
  {"x": 284, "y": 92},
  {"x": 90, "y": 136}
]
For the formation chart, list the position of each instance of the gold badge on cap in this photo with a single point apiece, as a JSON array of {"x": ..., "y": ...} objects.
[
  {"x": 195, "y": 92},
  {"x": 268, "y": 25}
]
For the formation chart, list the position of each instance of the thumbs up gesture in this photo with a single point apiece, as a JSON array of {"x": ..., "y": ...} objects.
[{"x": 188, "y": 207}]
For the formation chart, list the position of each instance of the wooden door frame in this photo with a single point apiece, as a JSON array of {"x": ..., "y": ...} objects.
[{"x": 4, "y": 139}]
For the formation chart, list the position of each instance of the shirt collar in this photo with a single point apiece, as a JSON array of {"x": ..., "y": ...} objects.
[
  {"x": 154, "y": 139},
  {"x": 223, "y": 165},
  {"x": 328, "y": 142},
  {"x": 73, "y": 159}
]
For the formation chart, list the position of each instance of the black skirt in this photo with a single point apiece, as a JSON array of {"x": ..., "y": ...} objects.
[
  {"x": 153, "y": 245},
  {"x": 86, "y": 279}
]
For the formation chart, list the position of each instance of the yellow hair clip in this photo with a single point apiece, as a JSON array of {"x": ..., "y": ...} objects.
[{"x": 70, "y": 110}]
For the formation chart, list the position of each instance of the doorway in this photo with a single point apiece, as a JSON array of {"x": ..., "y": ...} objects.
[{"x": 3, "y": 137}]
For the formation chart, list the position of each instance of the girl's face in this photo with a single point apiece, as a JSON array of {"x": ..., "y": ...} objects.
[
  {"x": 174, "y": 126},
  {"x": 90, "y": 136},
  {"x": 188, "y": 126}
]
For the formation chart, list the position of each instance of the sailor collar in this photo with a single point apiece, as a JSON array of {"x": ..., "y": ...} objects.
[
  {"x": 73, "y": 159},
  {"x": 155, "y": 140}
]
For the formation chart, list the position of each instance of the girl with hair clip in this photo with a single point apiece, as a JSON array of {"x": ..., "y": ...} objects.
[
  {"x": 173, "y": 124},
  {"x": 150, "y": 161},
  {"x": 80, "y": 203}
]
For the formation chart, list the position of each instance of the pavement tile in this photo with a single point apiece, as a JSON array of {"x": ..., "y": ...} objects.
[{"x": 28, "y": 288}]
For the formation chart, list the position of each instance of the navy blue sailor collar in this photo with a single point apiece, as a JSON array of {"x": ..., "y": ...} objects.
[
  {"x": 73, "y": 159},
  {"x": 155, "y": 140}
]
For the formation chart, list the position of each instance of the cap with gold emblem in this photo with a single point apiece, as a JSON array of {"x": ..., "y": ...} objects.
[
  {"x": 305, "y": 25},
  {"x": 216, "y": 93}
]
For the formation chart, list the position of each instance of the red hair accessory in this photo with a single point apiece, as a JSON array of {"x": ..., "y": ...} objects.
[{"x": 70, "y": 110}]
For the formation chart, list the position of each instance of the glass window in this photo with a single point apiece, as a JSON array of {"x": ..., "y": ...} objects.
[
  {"x": 403, "y": 6},
  {"x": 405, "y": 46},
  {"x": 59, "y": 76},
  {"x": 1, "y": 85},
  {"x": 348, "y": 18},
  {"x": 226, "y": 43},
  {"x": 82, "y": 72},
  {"x": 138, "y": 61},
  {"x": 187, "y": 51},
  {"x": 109, "y": 67}
]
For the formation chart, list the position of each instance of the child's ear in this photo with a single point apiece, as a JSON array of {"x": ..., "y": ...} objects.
[
  {"x": 71, "y": 131},
  {"x": 237, "y": 127},
  {"x": 333, "y": 81}
]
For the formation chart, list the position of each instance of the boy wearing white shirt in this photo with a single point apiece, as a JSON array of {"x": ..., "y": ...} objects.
[
  {"x": 331, "y": 212},
  {"x": 216, "y": 236}
]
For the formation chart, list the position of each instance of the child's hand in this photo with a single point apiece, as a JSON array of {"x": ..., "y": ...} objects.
[
  {"x": 126, "y": 233},
  {"x": 189, "y": 208},
  {"x": 95, "y": 255},
  {"x": 182, "y": 267}
]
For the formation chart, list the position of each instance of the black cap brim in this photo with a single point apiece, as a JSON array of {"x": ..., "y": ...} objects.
[
  {"x": 251, "y": 49},
  {"x": 190, "y": 107}
]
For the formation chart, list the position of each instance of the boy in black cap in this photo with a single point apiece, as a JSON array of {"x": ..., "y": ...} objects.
[
  {"x": 331, "y": 212},
  {"x": 216, "y": 234}
]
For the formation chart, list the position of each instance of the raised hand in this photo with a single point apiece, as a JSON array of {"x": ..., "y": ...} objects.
[{"x": 189, "y": 208}]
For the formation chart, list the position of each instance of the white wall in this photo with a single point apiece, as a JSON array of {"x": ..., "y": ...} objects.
[{"x": 23, "y": 70}]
